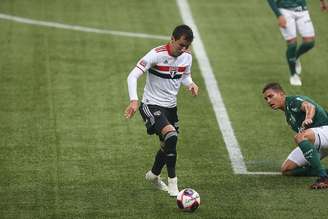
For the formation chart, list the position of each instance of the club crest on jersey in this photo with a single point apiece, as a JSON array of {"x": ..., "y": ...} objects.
[{"x": 173, "y": 71}]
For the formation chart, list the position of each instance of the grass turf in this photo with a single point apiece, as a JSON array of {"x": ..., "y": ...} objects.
[{"x": 67, "y": 152}]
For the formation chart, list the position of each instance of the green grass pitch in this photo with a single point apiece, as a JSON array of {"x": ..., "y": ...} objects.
[{"x": 66, "y": 151}]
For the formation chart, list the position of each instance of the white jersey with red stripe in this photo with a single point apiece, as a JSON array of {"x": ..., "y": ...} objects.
[{"x": 164, "y": 75}]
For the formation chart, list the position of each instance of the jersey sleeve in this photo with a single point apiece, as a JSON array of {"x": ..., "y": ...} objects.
[
  {"x": 132, "y": 83},
  {"x": 188, "y": 69},
  {"x": 147, "y": 61},
  {"x": 274, "y": 7},
  {"x": 186, "y": 77},
  {"x": 296, "y": 104}
]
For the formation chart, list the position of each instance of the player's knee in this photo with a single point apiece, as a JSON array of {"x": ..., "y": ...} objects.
[
  {"x": 170, "y": 142},
  {"x": 299, "y": 137},
  {"x": 287, "y": 167},
  {"x": 309, "y": 40},
  {"x": 292, "y": 41},
  {"x": 171, "y": 138},
  {"x": 166, "y": 129},
  {"x": 285, "y": 170}
]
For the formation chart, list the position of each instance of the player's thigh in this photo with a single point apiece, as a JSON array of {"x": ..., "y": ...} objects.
[
  {"x": 304, "y": 24},
  {"x": 290, "y": 31},
  {"x": 154, "y": 117},
  {"x": 297, "y": 157},
  {"x": 321, "y": 140},
  {"x": 172, "y": 116}
]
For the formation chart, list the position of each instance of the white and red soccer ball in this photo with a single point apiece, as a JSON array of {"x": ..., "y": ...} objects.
[{"x": 188, "y": 200}]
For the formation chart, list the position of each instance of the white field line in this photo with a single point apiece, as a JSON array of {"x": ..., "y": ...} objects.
[
  {"x": 79, "y": 28},
  {"x": 231, "y": 143},
  {"x": 262, "y": 173}
]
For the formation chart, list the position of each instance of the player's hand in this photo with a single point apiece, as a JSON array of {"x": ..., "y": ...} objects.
[
  {"x": 306, "y": 123},
  {"x": 323, "y": 6},
  {"x": 282, "y": 21},
  {"x": 193, "y": 89},
  {"x": 131, "y": 109}
]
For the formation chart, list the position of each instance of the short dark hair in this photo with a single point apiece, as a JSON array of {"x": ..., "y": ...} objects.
[
  {"x": 274, "y": 86},
  {"x": 183, "y": 30}
]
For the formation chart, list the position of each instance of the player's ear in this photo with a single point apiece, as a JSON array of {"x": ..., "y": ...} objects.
[{"x": 172, "y": 38}]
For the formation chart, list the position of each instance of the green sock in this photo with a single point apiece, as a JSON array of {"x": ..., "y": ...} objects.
[
  {"x": 312, "y": 156},
  {"x": 305, "y": 46},
  {"x": 304, "y": 171},
  {"x": 291, "y": 57}
]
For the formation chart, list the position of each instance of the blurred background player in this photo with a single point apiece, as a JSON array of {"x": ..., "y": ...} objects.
[
  {"x": 310, "y": 121},
  {"x": 167, "y": 66},
  {"x": 293, "y": 16}
]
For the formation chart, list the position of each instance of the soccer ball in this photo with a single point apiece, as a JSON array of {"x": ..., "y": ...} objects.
[{"x": 188, "y": 200}]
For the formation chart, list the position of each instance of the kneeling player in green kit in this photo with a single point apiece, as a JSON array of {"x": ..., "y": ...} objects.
[{"x": 310, "y": 121}]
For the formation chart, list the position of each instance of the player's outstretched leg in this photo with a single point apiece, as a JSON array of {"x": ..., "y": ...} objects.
[
  {"x": 302, "y": 171},
  {"x": 159, "y": 162},
  {"x": 294, "y": 79},
  {"x": 305, "y": 47},
  {"x": 170, "y": 140},
  {"x": 156, "y": 181}
]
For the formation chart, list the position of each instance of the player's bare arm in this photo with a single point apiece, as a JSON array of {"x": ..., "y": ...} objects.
[{"x": 309, "y": 110}]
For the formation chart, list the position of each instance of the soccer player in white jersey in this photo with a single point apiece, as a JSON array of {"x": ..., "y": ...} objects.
[
  {"x": 167, "y": 67},
  {"x": 293, "y": 16}
]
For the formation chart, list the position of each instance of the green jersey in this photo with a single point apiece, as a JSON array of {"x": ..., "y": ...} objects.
[
  {"x": 287, "y": 4},
  {"x": 295, "y": 116},
  {"x": 290, "y": 3}
]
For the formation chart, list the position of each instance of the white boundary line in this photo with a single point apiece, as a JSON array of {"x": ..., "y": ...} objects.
[
  {"x": 79, "y": 28},
  {"x": 231, "y": 143}
]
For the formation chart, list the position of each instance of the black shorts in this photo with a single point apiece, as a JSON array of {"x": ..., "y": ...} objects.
[{"x": 157, "y": 117}]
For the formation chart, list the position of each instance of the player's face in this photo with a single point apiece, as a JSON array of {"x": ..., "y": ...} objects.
[
  {"x": 179, "y": 46},
  {"x": 275, "y": 99}
]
